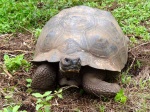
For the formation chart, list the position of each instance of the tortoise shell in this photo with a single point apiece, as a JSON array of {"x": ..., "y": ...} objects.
[{"x": 89, "y": 33}]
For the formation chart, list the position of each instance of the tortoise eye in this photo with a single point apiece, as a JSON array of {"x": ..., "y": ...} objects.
[{"x": 67, "y": 60}]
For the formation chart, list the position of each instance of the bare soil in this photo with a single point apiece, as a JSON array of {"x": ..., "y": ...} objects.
[{"x": 14, "y": 44}]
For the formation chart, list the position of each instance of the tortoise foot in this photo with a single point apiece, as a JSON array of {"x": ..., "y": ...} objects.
[
  {"x": 44, "y": 78},
  {"x": 96, "y": 86}
]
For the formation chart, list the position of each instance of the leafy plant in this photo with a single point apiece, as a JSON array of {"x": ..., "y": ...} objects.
[
  {"x": 15, "y": 63},
  {"x": 37, "y": 32},
  {"x": 138, "y": 64},
  {"x": 142, "y": 83},
  {"x": 77, "y": 110},
  {"x": 133, "y": 40},
  {"x": 42, "y": 102},
  {"x": 101, "y": 108},
  {"x": 125, "y": 78},
  {"x": 12, "y": 109},
  {"x": 29, "y": 81},
  {"x": 120, "y": 97}
]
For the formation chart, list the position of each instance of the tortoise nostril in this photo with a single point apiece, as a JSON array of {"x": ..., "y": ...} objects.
[
  {"x": 76, "y": 61},
  {"x": 79, "y": 61}
]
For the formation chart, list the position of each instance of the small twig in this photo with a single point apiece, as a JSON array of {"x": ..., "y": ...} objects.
[
  {"x": 56, "y": 104},
  {"x": 6, "y": 71},
  {"x": 26, "y": 29},
  {"x": 16, "y": 51},
  {"x": 139, "y": 46},
  {"x": 3, "y": 93},
  {"x": 9, "y": 35},
  {"x": 132, "y": 63},
  {"x": 134, "y": 57},
  {"x": 1, "y": 64}
]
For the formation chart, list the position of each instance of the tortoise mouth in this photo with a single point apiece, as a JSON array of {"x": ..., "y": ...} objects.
[
  {"x": 75, "y": 69},
  {"x": 70, "y": 65}
]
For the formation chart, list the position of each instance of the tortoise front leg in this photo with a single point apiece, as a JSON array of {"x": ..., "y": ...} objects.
[
  {"x": 44, "y": 77},
  {"x": 93, "y": 83}
]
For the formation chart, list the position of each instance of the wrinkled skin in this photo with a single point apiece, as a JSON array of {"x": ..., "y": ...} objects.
[{"x": 93, "y": 81}]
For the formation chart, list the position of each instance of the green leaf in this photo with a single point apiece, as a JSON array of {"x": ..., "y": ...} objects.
[
  {"x": 47, "y": 108},
  {"x": 15, "y": 109},
  {"x": 47, "y": 93},
  {"x": 25, "y": 63},
  {"x": 123, "y": 99},
  {"x": 29, "y": 80},
  {"x": 38, "y": 106},
  {"x": 37, "y": 32},
  {"x": 8, "y": 96},
  {"x": 38, "y": 101},
  {"x": 20, "y": 57},
  {"x": 121, "y": 92},
  {"x": 5, "y": 110},
  {"x": 138, "y": 63},
  {"x": 28, "y": 85},
  {"x": 60, "y": 96},
  {"x": 17, "y": 62},
  {"x": 120, "y": 97},
  {"x": 49, "y": 98},
  {"x": 6, "y": 57},
  {"x": 38, "y": 95},
  {"x": 60, "y": 91}
]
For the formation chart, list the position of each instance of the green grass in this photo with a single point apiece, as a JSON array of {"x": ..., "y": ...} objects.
[
  {"x": 17, "y": 14},
  {"x": 32, "y": 14},
  {"x": 130, "y": 14}
]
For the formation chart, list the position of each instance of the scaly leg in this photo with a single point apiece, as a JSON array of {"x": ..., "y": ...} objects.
[
  {"x": 44, "y": 77},
  {"x": 93, "y": 83}
]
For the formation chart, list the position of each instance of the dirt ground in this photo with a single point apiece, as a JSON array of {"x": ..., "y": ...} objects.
[{"x": 13, "y": 44}]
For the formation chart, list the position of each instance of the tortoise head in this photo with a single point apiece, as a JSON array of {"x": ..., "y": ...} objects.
[{"x": 70, "y": 64}]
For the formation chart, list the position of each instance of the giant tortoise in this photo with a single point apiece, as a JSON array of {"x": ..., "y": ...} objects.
[{"x": 80, "y": 46}]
